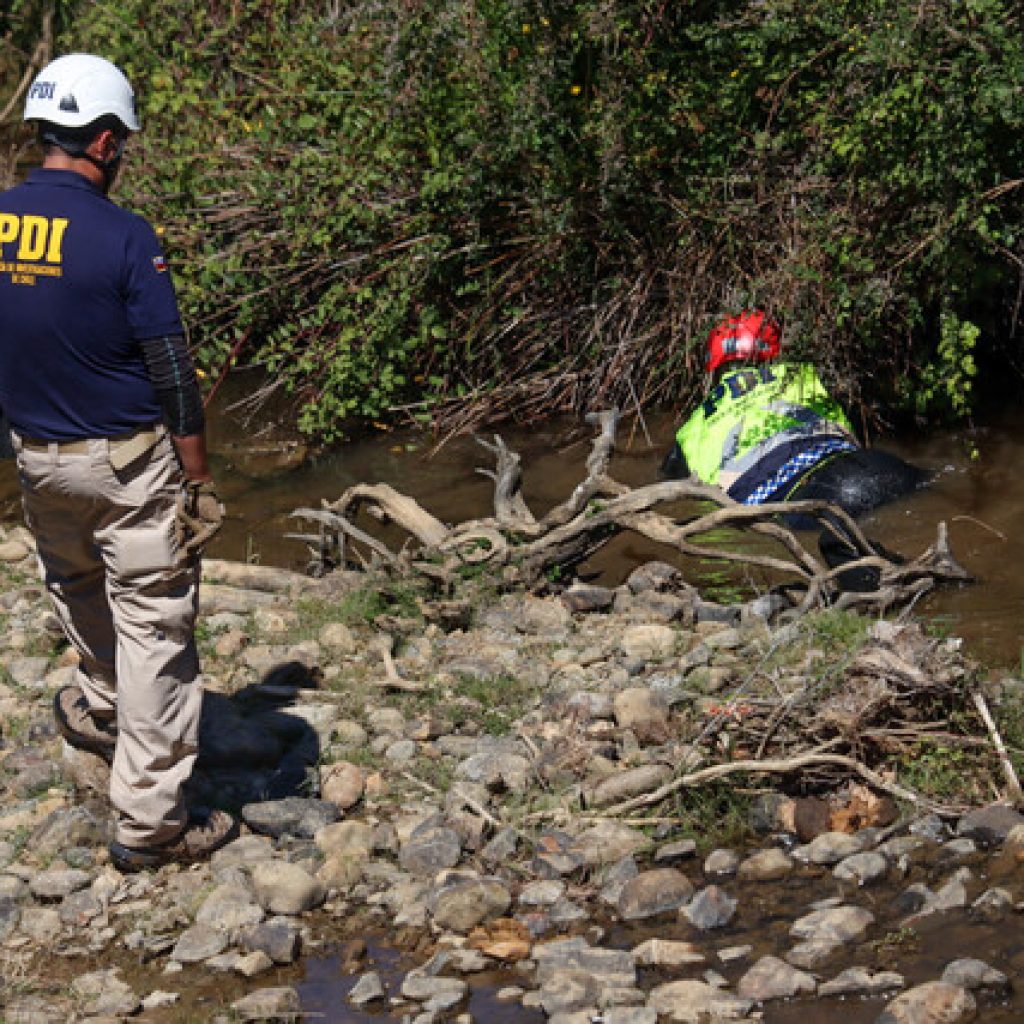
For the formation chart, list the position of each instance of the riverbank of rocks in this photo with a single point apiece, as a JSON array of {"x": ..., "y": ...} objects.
[{"x": 474, "y": 791}]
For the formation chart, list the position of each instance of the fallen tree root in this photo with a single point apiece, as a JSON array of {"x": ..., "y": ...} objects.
[{"x": 516, "y": 547}]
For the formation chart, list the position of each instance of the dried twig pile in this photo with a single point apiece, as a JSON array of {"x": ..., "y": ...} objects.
[{"x": 843, "y": 718}]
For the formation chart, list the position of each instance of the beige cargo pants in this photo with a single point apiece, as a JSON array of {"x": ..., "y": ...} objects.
[{"x": 106, "y": 551}]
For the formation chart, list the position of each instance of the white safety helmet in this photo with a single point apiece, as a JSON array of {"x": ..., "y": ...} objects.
[{"x": 75, "y": 90}]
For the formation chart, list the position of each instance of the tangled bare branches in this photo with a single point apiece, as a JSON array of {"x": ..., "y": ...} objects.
[{"x": 523, "y": 550}]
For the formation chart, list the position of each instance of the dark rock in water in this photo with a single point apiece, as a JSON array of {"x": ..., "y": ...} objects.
[
  {"x": 972, "y": 974},
  {"x": 712, "y": 907},
  {"x": 909, "y": 902},
  {"x": 292, "y": 816},
  {"x": 989, "y": 826},
  {"x": 279, "y": 939},
  {"x": 811, "y": 817},
  {"x": 615, "y": 968},
  {"x": 654, "y": 892},
  {"x": 653, "y": 576},
  {"x": 932, "y": 1001}
]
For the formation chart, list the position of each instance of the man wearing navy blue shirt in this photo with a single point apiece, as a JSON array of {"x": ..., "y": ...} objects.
[{"x": 107, "y": 423}]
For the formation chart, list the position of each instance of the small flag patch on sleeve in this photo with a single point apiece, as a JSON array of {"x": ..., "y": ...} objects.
[{"x": 159, "y": 264}]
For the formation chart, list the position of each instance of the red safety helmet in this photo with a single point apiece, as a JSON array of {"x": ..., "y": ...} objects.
[{"x": 747, "y": 338}]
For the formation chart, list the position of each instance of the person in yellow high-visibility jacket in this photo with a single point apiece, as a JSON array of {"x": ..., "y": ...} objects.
[{"x": 769, "y": 430}]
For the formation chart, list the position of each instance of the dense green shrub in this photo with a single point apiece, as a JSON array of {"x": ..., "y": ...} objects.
[{"x": 506, "y": 207}]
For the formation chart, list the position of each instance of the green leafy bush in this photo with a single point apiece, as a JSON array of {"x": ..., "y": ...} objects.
[{"x": 472, "y": 209}]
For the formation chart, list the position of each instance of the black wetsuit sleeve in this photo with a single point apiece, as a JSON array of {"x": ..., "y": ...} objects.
[
  {"x": 174, "y": 379},
  {"x": 674, "y": 466}
]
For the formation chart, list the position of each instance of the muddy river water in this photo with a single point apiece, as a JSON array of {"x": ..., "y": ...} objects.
[{"x": 919, "y": 949}]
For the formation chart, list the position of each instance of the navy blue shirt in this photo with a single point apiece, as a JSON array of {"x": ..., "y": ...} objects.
[{"x": 82, "y": 282}]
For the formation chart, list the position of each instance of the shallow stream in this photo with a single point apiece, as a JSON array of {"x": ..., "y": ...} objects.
[{"x": 919, "y": 949}]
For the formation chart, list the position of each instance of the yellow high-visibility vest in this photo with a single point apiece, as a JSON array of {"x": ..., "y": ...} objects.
[{"x": 753, "y": 410}]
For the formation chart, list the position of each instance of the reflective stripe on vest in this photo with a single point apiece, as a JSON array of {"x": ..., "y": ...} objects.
[{"x": 753, "y": 410}]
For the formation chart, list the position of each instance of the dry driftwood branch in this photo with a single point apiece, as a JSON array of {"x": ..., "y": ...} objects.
[
  {"x": 1013, "y": 783},
  {"x": 600, "y": 507},
  {"x": 384, "y": 643},
  {"x": 776, "y": 766},
  {"x": 476, "y": 545},
  {"x": 596, "y": 480},
  {"x": 332, "y": 521},
  {"x": 510, "y": 507},
  {"x": 390, "y": 506}
]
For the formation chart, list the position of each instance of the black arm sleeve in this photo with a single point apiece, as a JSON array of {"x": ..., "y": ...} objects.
[
  {"x": 174, "y": 379},
  {"x": 674, "y": 465}
]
